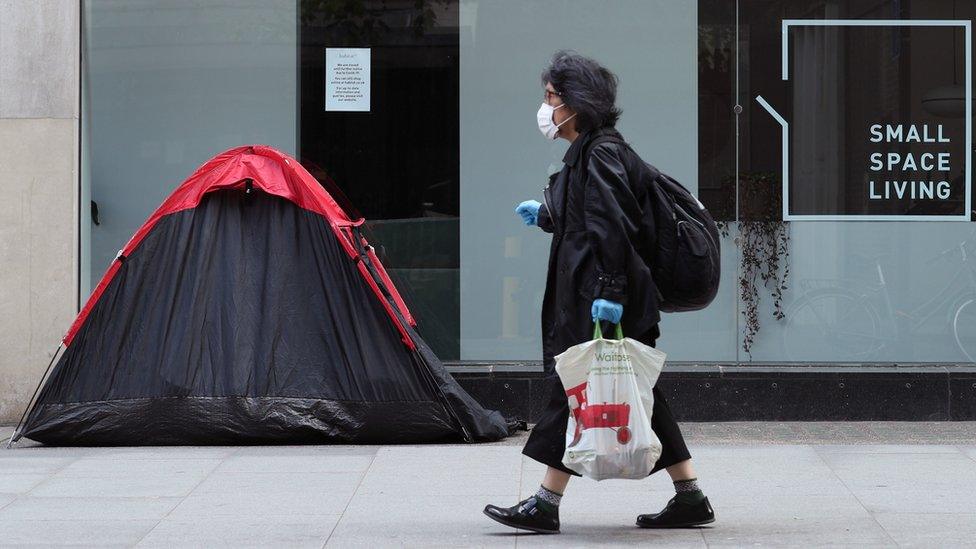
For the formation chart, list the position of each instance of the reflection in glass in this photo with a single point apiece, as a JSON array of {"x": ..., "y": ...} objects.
[{"x": 165, "y": 87}]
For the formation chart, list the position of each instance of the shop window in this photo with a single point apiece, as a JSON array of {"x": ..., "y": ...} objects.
[{"x": 393, "y": 152}]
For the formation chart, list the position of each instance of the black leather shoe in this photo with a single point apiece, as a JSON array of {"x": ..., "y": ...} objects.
[
  {"x": 679, "y": 515},
  {"x": 526, "y": 515}
]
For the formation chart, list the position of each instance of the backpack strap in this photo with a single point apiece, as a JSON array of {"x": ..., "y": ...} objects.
[
  {"x": 601, "y": 138},
  {"x": 609, "y": 138}
]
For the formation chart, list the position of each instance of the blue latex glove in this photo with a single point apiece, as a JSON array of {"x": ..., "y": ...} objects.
[
  {"x": 529, "y": 210},
  {"x": 607, "y": 310}
]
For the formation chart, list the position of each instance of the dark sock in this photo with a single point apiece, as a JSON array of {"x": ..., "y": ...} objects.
[
  {"x": 547, "y": 499},
  {"x": 687, "y": 491}
]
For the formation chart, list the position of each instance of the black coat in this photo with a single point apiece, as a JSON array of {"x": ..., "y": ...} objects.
[{"x": 601, "y": 242}]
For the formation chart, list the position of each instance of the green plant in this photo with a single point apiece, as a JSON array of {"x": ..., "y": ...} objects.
[{"x": 764, "y": 240}]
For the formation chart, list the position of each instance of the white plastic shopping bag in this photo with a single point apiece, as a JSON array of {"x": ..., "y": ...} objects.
[{"x": 608, "y": 384}]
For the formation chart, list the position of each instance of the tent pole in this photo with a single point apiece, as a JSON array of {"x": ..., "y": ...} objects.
[
  {"x": 364, "y": 257},
  {"x": 31, "y": 402},
  {"x": 447, "y": 405}
]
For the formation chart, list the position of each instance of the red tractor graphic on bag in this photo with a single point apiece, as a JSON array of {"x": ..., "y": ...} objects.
[{"x": 598, "y": 416}]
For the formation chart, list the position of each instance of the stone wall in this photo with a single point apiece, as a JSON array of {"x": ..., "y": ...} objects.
[{"x": 39, "y": 86}]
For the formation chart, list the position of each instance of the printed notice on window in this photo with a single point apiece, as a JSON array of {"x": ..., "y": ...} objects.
[{"x": 347, "y": 79}]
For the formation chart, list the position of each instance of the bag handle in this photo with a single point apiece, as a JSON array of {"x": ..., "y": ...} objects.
[{"x": 618, "y": 332}]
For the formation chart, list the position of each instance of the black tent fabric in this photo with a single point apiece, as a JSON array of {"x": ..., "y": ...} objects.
[{"x": 243, "y": 320}]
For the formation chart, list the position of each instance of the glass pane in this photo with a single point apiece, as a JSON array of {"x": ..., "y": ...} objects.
[
  {"x": 397, "y": 159},
  {"x": 166, "y": 87},
  {"x": 653, "y": 46},
  {"x": 878, "y": 128}
]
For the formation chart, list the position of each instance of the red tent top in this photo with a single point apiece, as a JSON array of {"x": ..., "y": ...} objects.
[{"x": 273, "y": 172}]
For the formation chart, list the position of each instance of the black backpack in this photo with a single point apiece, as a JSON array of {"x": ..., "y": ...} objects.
[{"x": 685, "y": 256}]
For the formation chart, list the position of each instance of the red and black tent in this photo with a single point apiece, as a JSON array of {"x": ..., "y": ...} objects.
[{"x": 249, "y": 308}]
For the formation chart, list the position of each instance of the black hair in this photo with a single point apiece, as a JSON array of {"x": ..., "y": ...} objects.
[{"x": 588, "y": 87}]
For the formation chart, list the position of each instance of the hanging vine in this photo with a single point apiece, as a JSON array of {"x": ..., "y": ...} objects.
[{"x": 764, "y": 240}]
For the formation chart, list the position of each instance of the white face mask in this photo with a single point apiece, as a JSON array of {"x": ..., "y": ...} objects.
[{"x": 546, "y": 125}]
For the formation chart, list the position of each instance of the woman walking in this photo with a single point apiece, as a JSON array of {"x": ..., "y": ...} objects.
[{"x": 595, "y": 273}]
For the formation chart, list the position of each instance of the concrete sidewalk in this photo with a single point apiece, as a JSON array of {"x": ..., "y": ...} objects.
[{"x": 773, "y": 484}]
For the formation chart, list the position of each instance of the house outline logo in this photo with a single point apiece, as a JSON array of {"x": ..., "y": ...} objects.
[{"x": 786, "y": 24}]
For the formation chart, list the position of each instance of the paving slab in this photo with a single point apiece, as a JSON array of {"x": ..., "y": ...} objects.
[
  {"x": 406, "y": 470},
  {"x": 927, "y": 500},
  {"x": 930, "y": 432},
  {"x": 888, "y": 449},
  {"x": 472, "y": 459},
  {"x": 783, "y": 519},
  {"x": 19, "y": 463},
  {"x": 756, "y": 469},
  {"x": 30, "y": 449},
  {"x": 376, "y": 520},
  {"x": 299, "y": 459},
  {"x": 930, "y": 530},
  {"x": 926, "y": 482},
  {"x": 88, "y": 508},
  {"x": 162, "y": 452},
  {"x": 96, "y": 533},
  {"x": 268, "y": 495},
  {"x": 20, "y": 483},
  {"x": 856, "y": 485},
  {"x": 830, "y": 432},
  {"x": 310, "y": 532},
  {"x": 902, "y": 465},
  {"x": 119, "y": 484},
  {"x": 102, "y": 466},
  {"x": 451, "y": 483},
  {"x": 596, "y": 531},
  {"x": 805, "y": 533}
]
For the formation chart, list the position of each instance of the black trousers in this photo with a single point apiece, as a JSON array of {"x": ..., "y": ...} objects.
[{"x": 547, "y": 440}]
